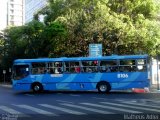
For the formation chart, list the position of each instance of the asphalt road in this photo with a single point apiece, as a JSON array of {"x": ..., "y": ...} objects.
[{"x": 71, "y": 105}]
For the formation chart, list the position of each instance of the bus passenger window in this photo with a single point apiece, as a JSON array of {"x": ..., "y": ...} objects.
[
  {"x": 114, "y": 69},
  {"x": 90, "y": 66},
  {"x": 141, "y": 65},
  {"x": 72, "y": 67},
  {"x": 58, "y": 68},
  {"x": 108, "y": 66},
  {"x": 141, "y": 68},
  {"x": 55, "y": 67},
  {"x": 51, "y": 71},
  {"x": 77, "y": 69},
  {"x": 38, "y": 68},
  {"x": 127, "y": 66}
]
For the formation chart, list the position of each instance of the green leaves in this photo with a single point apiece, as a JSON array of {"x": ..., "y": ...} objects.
[
  {"x": 35, "y": 39},
  {"x": 122, "y": 26}
]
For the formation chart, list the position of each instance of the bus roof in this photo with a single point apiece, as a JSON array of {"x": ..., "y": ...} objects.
[{"x": 113, "y": 57}]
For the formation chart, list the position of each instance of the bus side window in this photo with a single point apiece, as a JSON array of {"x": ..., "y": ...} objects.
[
  {"x": 77, "y": 69},
  {"x": 127, "y": 66},
  {"x": 55, "y": 68},
  {"x": 66, "y": 67},
  {"x": 34, "y": 70},
  {"x": 141, "y": 65},
  {"x": 114, "y": 69},
  {"x": 108, "y": 66},
  {"x": 58, "y": 68},
  {"x": 41, "y": 70},
  {"x": 90, "y": 66},
  {"x": 141, "y": 68},
  {"x": 51, "y": 71},
  {"x": 72, "y": 67},
  {"x": 38, "y": 68}
]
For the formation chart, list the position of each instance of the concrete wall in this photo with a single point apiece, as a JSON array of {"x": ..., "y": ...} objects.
[{"x": 153, "y": 71}]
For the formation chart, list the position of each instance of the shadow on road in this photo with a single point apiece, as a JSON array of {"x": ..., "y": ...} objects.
[{"x": 74, "y": 92}]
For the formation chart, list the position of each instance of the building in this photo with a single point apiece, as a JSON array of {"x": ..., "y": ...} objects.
[
  {"x": 31, "y": 7},
  {"x": 12, "y": 13},
  {"x": 3, "y": 13},
  {"x": 155, "y": 71},
  {"x": 15, "y": 10}
]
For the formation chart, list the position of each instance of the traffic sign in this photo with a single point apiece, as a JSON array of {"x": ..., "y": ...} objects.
[
  {"x": 4, "y": 71},
  {"x": 95, "y": 50}
]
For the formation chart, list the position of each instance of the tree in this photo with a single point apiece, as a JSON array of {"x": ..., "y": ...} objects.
[
  {"x": 12, "y": 46},
  {"x": 122, "y": 26},
  {"x": 55, "y": 34},
  {"x": 32, "y": 35},
  {"x": 32, "y": 40}
]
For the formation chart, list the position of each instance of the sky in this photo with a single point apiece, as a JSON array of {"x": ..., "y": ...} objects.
[{"x": 3, "y": 14}]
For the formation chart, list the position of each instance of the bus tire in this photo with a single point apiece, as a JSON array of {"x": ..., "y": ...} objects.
[
  {"x": 103, "y": 87},
  {"x": 37, "y": 87}
]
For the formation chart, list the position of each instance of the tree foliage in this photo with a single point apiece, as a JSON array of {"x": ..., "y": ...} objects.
[
  {"x": 32, "y": 40},
  {"x": 122, "y": 26}
]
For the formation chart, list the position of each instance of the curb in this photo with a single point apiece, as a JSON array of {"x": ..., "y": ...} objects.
[
  {"x": 155, "y": 91},
  {"x": 6, "y": 85}
]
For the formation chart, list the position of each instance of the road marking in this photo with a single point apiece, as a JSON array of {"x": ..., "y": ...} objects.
[
  {"x": 99, "y": 98},
  {"x": 63, "y": 109},
  {"x": 154, "y": 101},
  {"x": 135, "y": 107},
  {"x": 87, "y": 108},
  {"x": 12, "y": 111},
  {"x": 144, "y": 105},
  {"x": 124, "y": 100},
  {"x": 29, "y": 95},
  {"x": 113, "y": 108},
  {"x": 64, "y": 101},
  {"x": 74, "y": 95},
  {"x": 37, "y": 110}
]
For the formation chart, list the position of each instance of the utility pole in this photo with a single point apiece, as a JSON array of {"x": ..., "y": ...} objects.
[
  {"x": 157, "y": 74},
  {"x": 157, "y": 67}
]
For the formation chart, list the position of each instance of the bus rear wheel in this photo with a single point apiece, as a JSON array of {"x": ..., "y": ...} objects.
[
  {"x": 103, "y": 87},
  {"x": 37, "y": 87}
]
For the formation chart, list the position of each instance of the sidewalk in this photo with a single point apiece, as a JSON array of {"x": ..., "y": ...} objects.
[
  {"x": 153, "y": 89},
  {"x": 9, "y": 85}
]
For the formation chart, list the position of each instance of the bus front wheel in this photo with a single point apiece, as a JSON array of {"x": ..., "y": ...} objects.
[
  {"x": 37, "y": 87},
  {"x": 103, "y": 87}
]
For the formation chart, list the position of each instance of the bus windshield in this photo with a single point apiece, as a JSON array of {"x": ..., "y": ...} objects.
[{"x": 20, "y": 71}]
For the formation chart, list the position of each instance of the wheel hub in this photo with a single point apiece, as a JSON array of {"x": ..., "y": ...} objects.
[
  {"x": 103, "y": 88},
  {"x": 36, "y": 88}
]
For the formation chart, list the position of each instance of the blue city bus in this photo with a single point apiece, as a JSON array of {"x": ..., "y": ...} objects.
[{"x": 81, "y": 73}]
